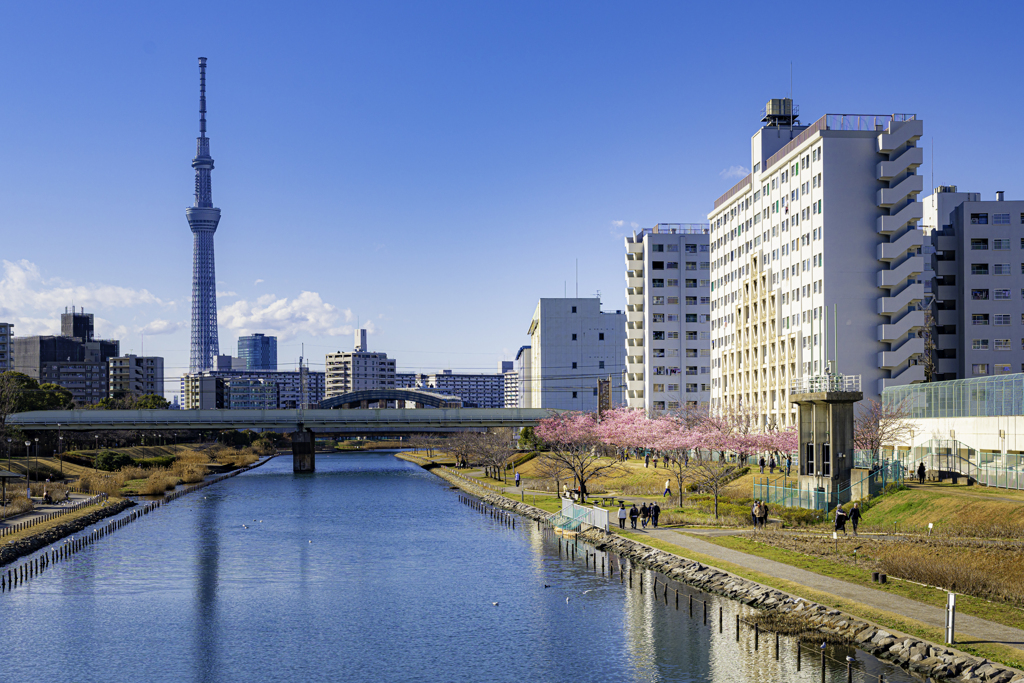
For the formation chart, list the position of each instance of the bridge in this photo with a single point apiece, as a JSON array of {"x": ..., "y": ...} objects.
[
  {"x": 302, "y": 424},
  {"x": 364, "y": 397}
]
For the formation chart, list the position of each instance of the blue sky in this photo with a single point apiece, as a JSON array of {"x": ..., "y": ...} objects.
[{"x": 430, "y": 169}]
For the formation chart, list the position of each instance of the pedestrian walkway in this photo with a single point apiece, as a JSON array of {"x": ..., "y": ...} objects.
[
  {"x": 41, "y": 510},
  {"x": 969, "y": 629}
]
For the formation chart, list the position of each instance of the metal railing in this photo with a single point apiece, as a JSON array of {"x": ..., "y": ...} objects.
[
  {"x": 676, "y": 229},
  {"x": 824, "y": 383},
  {"x": 787, "y": 495},
  {"x": 581, "y": 514}
]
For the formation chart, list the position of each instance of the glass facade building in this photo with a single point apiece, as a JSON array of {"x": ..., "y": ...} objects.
[
  {"x": 258, "y": 351},
  {"x": 997, "y": 395}
]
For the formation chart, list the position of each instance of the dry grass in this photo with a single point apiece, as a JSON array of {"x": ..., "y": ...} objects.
[
  {"x": 240, "y": 458},
  {"x": 189, "y": 473},
  {"x": 19, "y": 505},
  {"x": 56, "y": 490},
  {"x": 993, "y": 574},
  {"x": 102, "y": 482},
  {"x": 796, "y": 624},
  {"x": 158, "y": 482}
]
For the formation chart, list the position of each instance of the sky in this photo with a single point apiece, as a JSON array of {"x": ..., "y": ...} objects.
[{"x": 429, "y": 170}]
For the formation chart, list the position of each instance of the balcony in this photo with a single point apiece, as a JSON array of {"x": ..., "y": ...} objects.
[
  {"x": 636, "y": 299},
  {"x": 898, "y": 330},
  {"x": 894, "y": 305},
  {"x": 900, "y": 135},
  {"x": 947, "y": 292},
  {"x": 911, "y": 159},
  {"x": 887, "y": 360},
  {"x": 890, "y": 251},
  {"x": 634, "y": 247},
  {"x": 636, "y": 283},
  {"x": 886, "y": 225},
  {"x": 912, "y": 375},
  {"x": 890, "y": 196},
  {"x": 912, "y": 267}
]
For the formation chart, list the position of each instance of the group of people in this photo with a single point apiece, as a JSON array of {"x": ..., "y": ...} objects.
[
  {"x": 772, "y": 464},
  {"x": 842, "y": 516},
  {"x": 759, "y": 513},
  {"x": 647, "y": 514}
]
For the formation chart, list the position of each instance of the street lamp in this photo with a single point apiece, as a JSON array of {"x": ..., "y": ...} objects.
[
  {"x": 60, "y": 450},
  {"x": 28, "y": 480},
  {"x": 36, "y": 462}
]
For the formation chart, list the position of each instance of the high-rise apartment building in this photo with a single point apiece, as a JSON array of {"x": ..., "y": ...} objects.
[
  {"x": 979, "y": 285},
  {"x": 523, "y": 373},
  {"x": 826, "y": 220},
  {"x": 258, "y": 351},
  {"x": 77, "y": 324},
  {"x": 573, "y": 344},
  {"x": 133, "y": 375},
  {"x": 477, "y": 390},
  {"x": 293, "y": 388},
  {"x": 510, "y": 389},
  {"x": 668, "y": 327},
  {"x": 359, "y": 369},
  {"x": 6, "y": 348}
]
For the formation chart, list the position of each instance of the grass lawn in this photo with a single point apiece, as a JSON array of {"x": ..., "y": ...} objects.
[
  {"x": 944, "y": 506},
  {"x": 64, "y": 519},
  {"x": 999, "y": 653}
]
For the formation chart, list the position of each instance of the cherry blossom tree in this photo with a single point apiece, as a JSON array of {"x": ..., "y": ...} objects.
[{"x": 575, "y": 441}]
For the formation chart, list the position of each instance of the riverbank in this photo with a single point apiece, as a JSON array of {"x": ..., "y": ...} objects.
[
  {"x": 882, "y": 641},
  {"x": 11, "y": 551}
]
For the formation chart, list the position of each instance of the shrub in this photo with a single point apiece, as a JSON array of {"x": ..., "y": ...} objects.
[
  {"x": 96, "y": 482},
  {"x": 160, "y": 461},
  {"x": 157, "y": 483},
  {"x": 112, "y": 461},
  {"x": 19, "y": 504}
]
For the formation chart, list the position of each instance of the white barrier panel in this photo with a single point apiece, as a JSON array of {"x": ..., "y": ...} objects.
[{"x": 596, "y": 517}]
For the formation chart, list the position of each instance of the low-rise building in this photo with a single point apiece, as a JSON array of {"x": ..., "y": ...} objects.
[
  {"x": 133, "y": 375},
  {"x": 293, "y": 388},
  {"x": 6, "y": 354}
]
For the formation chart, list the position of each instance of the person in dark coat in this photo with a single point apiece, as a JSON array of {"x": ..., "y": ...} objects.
[
  {"x": 840, "y": 519},
  {"x": 633, "y": 514},
  {"x": 764, "y": 514},
  {"x": 920, "y": 472},
  {"x": 645, "y": 515},
  {"x": 655, "y": 513},
  {"x": 855, "y": 517}
]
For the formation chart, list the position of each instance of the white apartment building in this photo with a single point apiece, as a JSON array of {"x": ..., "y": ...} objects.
[
  {"x": 828, "y": 217},
  {"x": 359, "y": 369},
  {"x": 133, "y": 375},
  {"x": 477, "y": 390},
  {"x": 213, "y": 387},
  {"x": 668, "y": 328},
  {"x": 523, "y": 373},
  {"x": 573, "y": 344},
  {"x": 6, "y": 350}
]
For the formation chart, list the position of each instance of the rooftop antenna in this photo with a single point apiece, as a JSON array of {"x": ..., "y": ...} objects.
[
  {"x": 577, "y": 278},
  {"x": 791, "y": 99}
]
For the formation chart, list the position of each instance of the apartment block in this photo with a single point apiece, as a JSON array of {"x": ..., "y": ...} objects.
[
  {"x": 827, "y": 221},
  {"x": 77, "y": 365},
  {"x": 133, "y": 375},
  {"x": 523, "y": 373},
  {"x": 294, "y": 388},
  {"x": 358, "y": 369},
  {"x": 668, "y": 326},
  {"x": 251, "y": 394},
  {"x": 477, "y": 390},
  {"x": 573, "y": 344},
  {"x": 979, "y": 285},
  {"x": 6, "y": 352}
]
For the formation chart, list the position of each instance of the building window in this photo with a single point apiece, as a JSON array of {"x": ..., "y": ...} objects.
[
  {"x": 574, "y": 394},
  {"x": 657, "y": 300},
  {"x": 976, "y": 295},
  {"x": 600, "y": 365},
  {"x": 979, "y": 245},
  {"x": 1001, "y": 269},
  {"x": 1000, "y": 219},
  {"x": 672, "y": 265},
  {"x": 660, "y": 335},
  {"x": 600, "y": 336},
  {"x": 1001, "y": 319},
  {"x": 979, "y": 369},
  {"x": 979, "y": 269},
  {"x": 1001, "y": 245},
  {"x": 1002, "y": 345},
  {"x": 692, "y": 336},
  {"x": 979, "y": 219},
  {"x": 574, "y": 336},
  {"x": 658, "y": 282},
  {"x": 574, "y": 366},
  {"x": 657, "y": 265},
  {"x": 673, "y": 247},
  {"x": 691, "y": 317},
  {"x": 673, "y": 300},
  {"x": 1001, "y": 294},
  {"x": 1002, "y": 368},
  {"x": 673, "y": 283},
  {"x": 979, "y": 345},
  {"x": 976, "y": 319}
]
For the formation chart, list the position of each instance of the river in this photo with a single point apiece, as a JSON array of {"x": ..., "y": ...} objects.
[{"x": 370, "y": 570}]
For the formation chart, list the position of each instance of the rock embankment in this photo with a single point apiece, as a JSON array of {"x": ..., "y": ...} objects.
[
  {"x": 10, "y": 552},
  {"x": 926, "y": 658}
]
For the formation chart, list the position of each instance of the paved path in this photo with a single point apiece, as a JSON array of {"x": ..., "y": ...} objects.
[
  {"x": 41, "y": 510},
  {"x": 973, "y": 629}
]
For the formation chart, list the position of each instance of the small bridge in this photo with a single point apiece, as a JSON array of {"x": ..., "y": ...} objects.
[
  {"x": 400, "y": 397},
  {"x": 302, "y": 424}
]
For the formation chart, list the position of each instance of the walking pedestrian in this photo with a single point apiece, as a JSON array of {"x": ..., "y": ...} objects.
[
  {"x": 655, "y": 513},
  {"x": 764, "y": 514},
  {"x": 753, "y": 512},
  {"x": 655, "y": 462},
  {"x": 633, "y": 514},
  {"x": 920, "y": 472},
  {"x": 840, "y": 524},
  {"x": 622, "y": 515},
  {"x": 771, "y": 465},
  {"x": 760, "y": 462},
  {"x": 645, "y": 515},
  {"x": 517, "y": 480},
  {"x": 789, "y": 463},
  {"x": 855, "y": 517},
  {"x": 668, "y": 488}
]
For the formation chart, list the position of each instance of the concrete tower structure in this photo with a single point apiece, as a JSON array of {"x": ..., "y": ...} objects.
[{"x": 203, "y": 219}]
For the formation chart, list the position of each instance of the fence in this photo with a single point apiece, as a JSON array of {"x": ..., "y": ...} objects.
[
  {"x": 577, "y": 515},
  {"x": 74, "y": 507},
  {"x": 787, "y": 494}
]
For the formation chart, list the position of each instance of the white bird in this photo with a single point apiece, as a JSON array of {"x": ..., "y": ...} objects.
[
  {"x": 588, "y": 591},
  {"x": 850, "y": 659},
  {"x": 567, "y": 601},
  {"x": 244, "y": 526},
  {"x": 495, "y": 604},
  {"x": 311, "y": 541}
]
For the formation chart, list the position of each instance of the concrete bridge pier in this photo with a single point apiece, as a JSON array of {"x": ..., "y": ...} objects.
[{"x": 303, "y": 451}]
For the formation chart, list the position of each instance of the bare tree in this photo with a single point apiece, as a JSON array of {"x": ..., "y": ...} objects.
[
  {"x": 928, "y": 334},
  {"x": 9, "y": 396},
  {"x": 882, "y": 424},
  {"x": 497, "y": 450},
  {"x": 709, "y": 476}
]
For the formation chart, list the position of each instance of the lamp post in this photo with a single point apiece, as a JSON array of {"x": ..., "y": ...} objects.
[
  {"x": 35, "y": 465},
  {"x": 28, "y": 480},
  {"x": 9, "y": 440},
  {"x": 60, "y": 450}
]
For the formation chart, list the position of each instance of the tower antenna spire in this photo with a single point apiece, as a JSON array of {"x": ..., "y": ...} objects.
[{"x": 202, "y": 97}]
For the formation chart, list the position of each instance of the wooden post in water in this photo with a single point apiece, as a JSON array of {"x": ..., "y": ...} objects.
[
  {"x": 757, "y": 634},
  {"x": 737, "y": 628},
  {"x": 719, "y": 618},
  {"x": 776, "y": 646}
]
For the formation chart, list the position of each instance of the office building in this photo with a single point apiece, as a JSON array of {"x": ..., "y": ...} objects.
[
  {"x": 979, "y": 285},
  {"x": 76, "y": 324},
  {"x": 133, "y": 375},
  {"x": 573, "y": 344},
  {"x": 668, "y": 329},
  {"x": 294, "y": 388},
  {"x": 251, "y": 394},
  {"x": 229, "y": 363},
  {"x": 826, "y": 220},
  {"x": 6, "y": 348},
  {"x": 202, "y": 392},
  {"x": 258, "y": 351},
  {"x": 523, "y": 376},
  {"x": 358, "y": 369}
]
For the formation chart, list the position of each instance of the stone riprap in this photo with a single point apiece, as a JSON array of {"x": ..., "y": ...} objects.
[
  {"x": 9, "y": 552},
  {"x": 937, "y": 661}
]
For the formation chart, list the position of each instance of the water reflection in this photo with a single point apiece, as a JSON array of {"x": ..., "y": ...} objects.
[{"x": 370, "y": 570}]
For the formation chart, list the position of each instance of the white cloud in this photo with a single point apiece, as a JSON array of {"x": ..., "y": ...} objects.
[
  {"x": 257, "y": 282},
  {"x": 618, "y": 224},
  {"x": 634, "y": 225},
  {"x": 160, "y": 326},
  {"x": 306, "y": 313},
  {"x": 734, "y": 172},
  {"x": 23, "y": 288},
  {"x": 227, "y": 293}
]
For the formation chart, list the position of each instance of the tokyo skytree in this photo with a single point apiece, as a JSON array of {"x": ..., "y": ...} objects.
[{"x": 203, "y": 219}]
